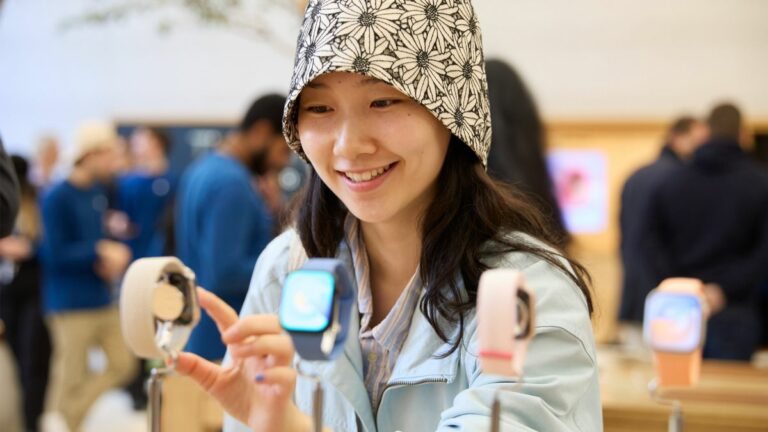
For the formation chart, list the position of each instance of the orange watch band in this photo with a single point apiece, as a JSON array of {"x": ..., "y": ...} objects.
[{"x": 679, "y": 369}]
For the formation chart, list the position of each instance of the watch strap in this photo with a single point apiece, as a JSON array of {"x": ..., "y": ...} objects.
[{"x": 677, "y": 369}]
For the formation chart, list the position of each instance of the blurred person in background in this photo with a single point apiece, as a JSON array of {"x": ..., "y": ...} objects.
[
  {"x": 518, "y": 145},
  {"x": 222, "y": 221},
  {"x": 10, "y": 411},
  {"x": 79, "y": 266},
  {"x": 710, "y": 221},
  {"x": 146, "y": 191},
  {"x": 144, "y": 199},
  {"x": 267, "y": 180},
  {"x": 20, "y": 299},
  {"x": 45, "y": 163},
  {"x": 9, "y": 193},
  {"x": 684, "y": 136}
]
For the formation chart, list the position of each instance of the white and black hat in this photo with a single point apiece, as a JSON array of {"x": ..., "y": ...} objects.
[{"x": 431, "y": 50}]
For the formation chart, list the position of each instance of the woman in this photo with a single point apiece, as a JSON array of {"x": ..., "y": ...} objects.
[
  {"x": 388, "y": 104},
  {"x": 20, "y": 299}
]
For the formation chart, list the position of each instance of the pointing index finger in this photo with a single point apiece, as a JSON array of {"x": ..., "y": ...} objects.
[
  {"x": 219, "y": 311},
  {"x": 254, "y": 325}
]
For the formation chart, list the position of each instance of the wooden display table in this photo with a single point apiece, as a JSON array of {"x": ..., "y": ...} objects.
[{"x": 730, "y": 397}]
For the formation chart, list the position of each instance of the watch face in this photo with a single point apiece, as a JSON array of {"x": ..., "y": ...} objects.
[
  {"x": 673, "y": 321},
  {"x": 523, "y": 326},
  {"x": 306, "y": 303}
]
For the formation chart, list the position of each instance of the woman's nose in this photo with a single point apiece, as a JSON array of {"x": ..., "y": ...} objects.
[{"x": 353, "y": 140}]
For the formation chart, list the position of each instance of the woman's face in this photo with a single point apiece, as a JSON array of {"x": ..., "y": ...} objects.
[{"x": 377, "y": 149}]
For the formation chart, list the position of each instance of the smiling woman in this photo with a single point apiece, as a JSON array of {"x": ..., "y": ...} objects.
[
  {"x": 388, "y": 104},
  {"x": 378, "y": 150}
]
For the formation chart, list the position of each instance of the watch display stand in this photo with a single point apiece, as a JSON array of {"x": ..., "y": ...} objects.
[
  {"x": 158, "y": 311},
  {"x": 676, "y": 422},
  {"x": 496, "y": 407}
]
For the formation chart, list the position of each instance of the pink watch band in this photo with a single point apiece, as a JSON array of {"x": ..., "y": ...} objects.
[{"x": 501, "y": 351}]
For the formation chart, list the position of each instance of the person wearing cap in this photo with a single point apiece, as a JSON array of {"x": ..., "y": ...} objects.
[
  {"x": 79, "y": 268},
  {"x": 388, "y": 104}
]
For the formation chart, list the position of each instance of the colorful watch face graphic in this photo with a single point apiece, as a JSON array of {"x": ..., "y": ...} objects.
[
  {"x": 673, "y": 322},
  {"x": 306, "y": 303}
]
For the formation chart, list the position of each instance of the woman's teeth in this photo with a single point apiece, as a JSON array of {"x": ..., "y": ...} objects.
[{"x": 366, "y": 176}]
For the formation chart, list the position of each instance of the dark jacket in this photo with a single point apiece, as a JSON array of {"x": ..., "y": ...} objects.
[
  {"x": 637, "y": 254},
  {"x": 711, "y": 220},
  {"x": 9, "y": 194}
]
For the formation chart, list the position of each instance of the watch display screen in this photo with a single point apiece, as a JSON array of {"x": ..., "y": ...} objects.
[
  {"x": 306, "y": 303},
  {"x": 673, "y": 322}
]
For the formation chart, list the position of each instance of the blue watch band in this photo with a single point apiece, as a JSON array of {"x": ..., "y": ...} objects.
[{"x": 309, "y": 345}]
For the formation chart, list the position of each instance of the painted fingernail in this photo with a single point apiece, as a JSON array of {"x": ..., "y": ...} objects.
[{"x": 259, "y": 377}]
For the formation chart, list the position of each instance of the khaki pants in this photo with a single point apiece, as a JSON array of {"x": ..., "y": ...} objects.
[
  {"x": 186, "y": 407},
  {"x": 10, "y": 401},
  {"x": 73, "y": 387}
]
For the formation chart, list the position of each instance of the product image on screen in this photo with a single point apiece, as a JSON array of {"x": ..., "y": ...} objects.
[
  {"x": 307, "y": 301},
  {"x": 673, "y": 322}
]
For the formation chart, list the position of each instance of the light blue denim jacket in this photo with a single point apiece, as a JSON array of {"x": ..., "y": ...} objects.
[{"x": 560, "y": 390}]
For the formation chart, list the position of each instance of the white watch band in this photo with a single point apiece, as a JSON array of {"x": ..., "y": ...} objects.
[{"x": 157, "y": 314}]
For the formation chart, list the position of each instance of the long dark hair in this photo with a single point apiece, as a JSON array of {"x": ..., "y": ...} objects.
[
  {"x": 519, "y": 142},
  {"x": 468, "y": 222},
  {"x": 28, "y": 222}
]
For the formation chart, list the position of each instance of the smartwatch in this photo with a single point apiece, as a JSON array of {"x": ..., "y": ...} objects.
[
  {"x": 505, "y": 321},
  {"x": 158, "y": 306},
  {"x": 315, "y": 308},
  {"x": 674, "y": 327}
]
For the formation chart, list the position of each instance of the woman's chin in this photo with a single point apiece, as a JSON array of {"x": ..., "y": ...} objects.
[{"x": 369, "y": 213}]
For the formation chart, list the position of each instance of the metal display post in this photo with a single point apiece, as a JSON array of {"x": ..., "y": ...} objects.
[{"x": 676, "y": 422}]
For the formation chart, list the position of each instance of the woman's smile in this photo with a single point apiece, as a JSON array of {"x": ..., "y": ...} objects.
[{"x": 368, "y": 179}]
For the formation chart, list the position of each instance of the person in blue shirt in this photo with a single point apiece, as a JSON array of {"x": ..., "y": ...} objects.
[
  {"x": 143, "y": 207},
  {"x": 146, "y": 193},
  {"x": 222, "y": 222},
  {"x": 79, "y": 267}
]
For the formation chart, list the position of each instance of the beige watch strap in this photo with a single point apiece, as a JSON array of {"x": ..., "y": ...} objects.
[{"x": 144, "y": 298}]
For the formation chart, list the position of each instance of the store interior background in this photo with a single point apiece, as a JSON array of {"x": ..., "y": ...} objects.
[{"x": 607, "y": 76}]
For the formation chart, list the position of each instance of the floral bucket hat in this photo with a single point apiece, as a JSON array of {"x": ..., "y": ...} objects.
[{"x": 431, "y": 50}]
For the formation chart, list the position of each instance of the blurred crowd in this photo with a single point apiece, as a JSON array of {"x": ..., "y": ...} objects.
[
  {"x": 700, "y": 210},
  {"x": 76, "y": 234}
]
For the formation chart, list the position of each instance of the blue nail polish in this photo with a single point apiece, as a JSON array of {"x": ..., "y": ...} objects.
[{"x": 259, "y": 377}]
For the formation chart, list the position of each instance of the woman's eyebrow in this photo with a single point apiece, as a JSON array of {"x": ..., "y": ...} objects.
[{"x": 371, "y": 81}]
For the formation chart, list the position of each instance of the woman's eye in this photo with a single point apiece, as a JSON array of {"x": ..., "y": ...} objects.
[
  {"x": 383, "y": 103},
  {"x": 318, "y": 109}
]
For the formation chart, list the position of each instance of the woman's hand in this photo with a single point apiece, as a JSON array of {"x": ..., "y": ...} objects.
[{"x": 257, "y": 388}]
